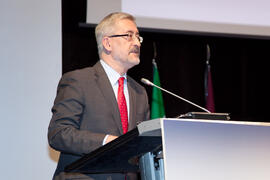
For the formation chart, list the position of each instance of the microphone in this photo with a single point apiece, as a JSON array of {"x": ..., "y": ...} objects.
[{"x": 149, "y": 83}]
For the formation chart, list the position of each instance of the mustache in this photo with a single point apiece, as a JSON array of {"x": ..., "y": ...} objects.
[{"x": 135, "y": 49}]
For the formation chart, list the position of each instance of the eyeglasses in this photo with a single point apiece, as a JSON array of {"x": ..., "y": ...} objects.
[{"x": 129, "y": 37}]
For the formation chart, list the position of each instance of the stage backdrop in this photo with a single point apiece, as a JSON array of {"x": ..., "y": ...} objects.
[
  {"x": 30, "y": 68},
  {"x": 241, "y": 17}
]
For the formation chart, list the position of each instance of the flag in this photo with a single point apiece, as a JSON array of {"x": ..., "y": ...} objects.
[
  {"x": 209, "y": 93},
  {"x": 157, "y": 105}
]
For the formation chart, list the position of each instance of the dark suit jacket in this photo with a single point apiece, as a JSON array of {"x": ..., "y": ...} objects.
[{"x": 84, "y": 111}]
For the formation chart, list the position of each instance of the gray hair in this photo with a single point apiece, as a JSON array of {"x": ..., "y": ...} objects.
[{"x": 107, "y": 26}]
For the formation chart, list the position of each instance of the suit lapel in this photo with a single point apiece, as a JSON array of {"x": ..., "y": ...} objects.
[
  {"x": 132, "y": 105},
  {"x": 105, "y": 87}
]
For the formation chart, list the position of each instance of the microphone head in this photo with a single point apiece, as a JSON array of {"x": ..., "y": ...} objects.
[{"x": 146, "y": 81}]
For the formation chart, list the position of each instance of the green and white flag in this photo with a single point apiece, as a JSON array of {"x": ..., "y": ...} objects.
[{"x": 157, "y": 106}]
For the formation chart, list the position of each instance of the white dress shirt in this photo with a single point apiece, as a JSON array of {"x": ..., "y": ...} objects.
[{"x": 113, "y": 78}]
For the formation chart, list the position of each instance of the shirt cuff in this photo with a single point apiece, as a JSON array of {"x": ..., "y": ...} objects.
[{"x": 105, "y": 139}]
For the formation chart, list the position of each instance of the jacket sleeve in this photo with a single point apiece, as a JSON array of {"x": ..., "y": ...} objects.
[{"x": 64, "y": 133}]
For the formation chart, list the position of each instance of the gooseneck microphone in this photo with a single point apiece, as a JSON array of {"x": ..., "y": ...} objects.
[{"x": 147, "y": 82}]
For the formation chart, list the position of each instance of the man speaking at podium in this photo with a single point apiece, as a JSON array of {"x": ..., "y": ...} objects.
[{"x": 97, "y": 104}]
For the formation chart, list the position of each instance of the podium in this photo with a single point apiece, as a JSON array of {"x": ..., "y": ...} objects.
[
  {"x": 122, "y": 154},
  {"x": 191, "y": 148}
]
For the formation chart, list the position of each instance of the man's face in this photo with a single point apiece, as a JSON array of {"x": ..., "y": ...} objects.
[{"x": 126, "y": 50}]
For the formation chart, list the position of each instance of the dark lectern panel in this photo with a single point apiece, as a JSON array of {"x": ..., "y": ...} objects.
[{"x": 118, "y": 156}]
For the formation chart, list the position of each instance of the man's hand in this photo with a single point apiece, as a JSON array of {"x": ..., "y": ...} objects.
[{"x": 110, "y": 138}]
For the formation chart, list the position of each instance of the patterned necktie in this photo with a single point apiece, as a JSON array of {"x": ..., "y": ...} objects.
[{"x": 122, "y": 105}]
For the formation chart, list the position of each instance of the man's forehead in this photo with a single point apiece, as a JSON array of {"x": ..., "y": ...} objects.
[{"x": 126, "y": 25}]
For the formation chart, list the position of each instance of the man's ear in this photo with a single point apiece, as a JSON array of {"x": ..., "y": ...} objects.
[{"x": 106, "y": 44}]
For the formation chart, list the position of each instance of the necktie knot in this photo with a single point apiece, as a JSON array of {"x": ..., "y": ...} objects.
[{"x": 121, "y": 81}]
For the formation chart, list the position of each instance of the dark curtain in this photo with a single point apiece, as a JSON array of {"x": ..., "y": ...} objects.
[{"x": 238, "y": 64}]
